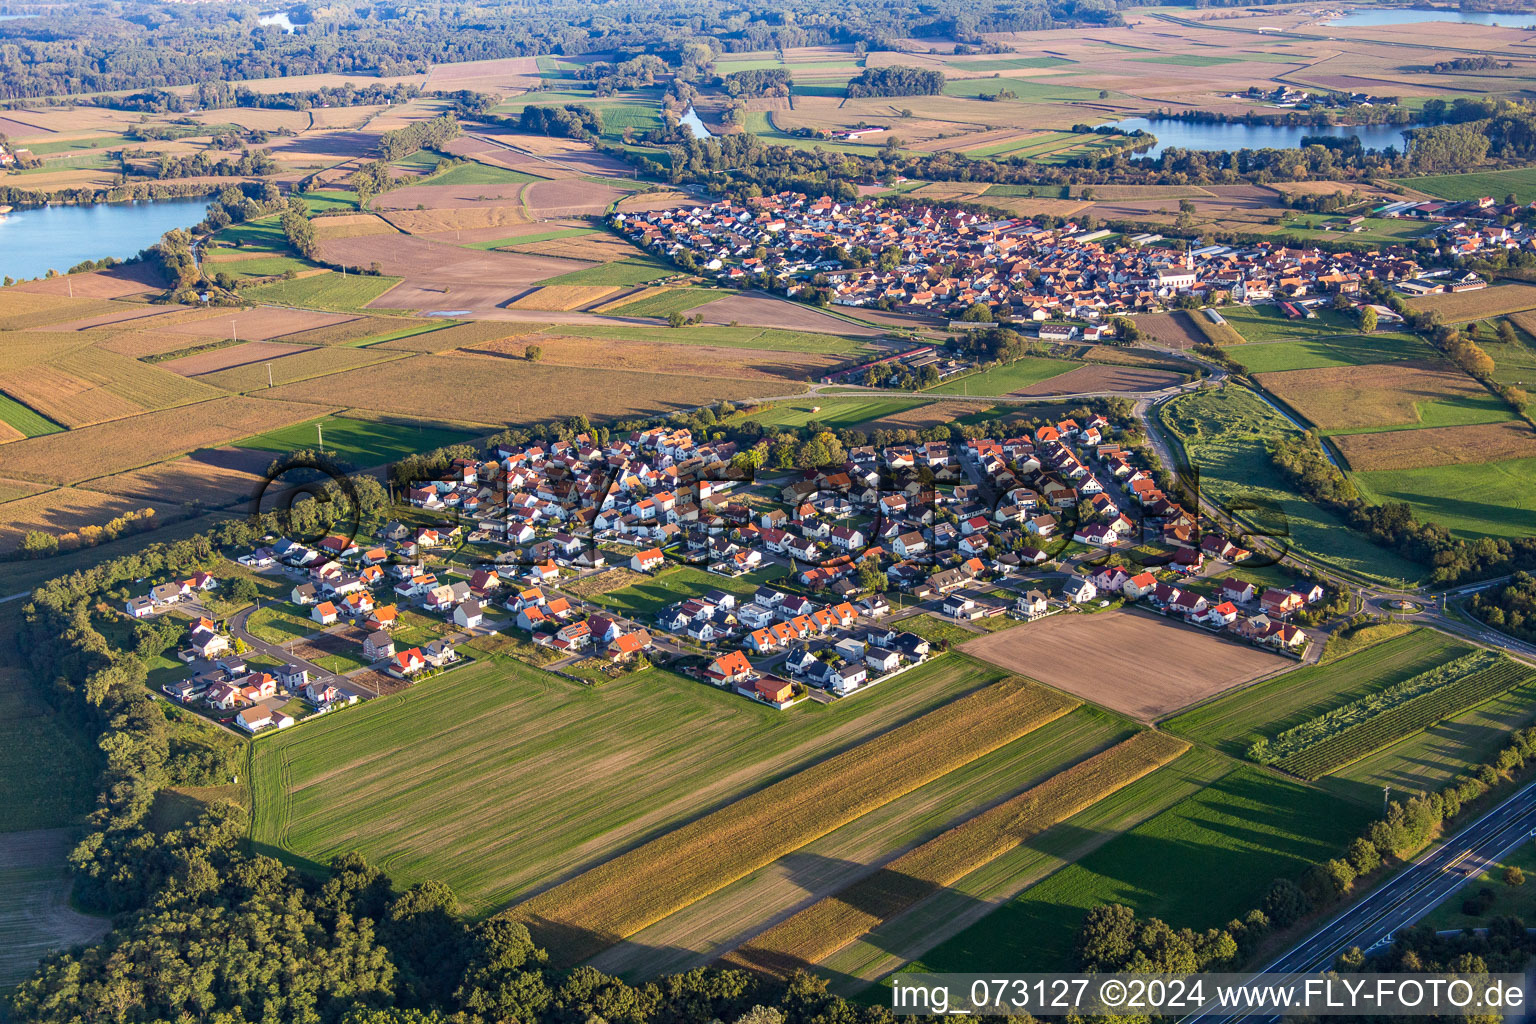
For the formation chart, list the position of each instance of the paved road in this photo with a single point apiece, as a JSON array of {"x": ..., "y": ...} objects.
[
  {"x": 341, "y": 682},
  {"x": 1411, "y": 894}
]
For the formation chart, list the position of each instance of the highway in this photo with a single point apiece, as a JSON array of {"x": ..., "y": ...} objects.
[{"x": 1409, "y": 895}]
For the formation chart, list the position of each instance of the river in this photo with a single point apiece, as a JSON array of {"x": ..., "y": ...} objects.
[
  {"x": 1178, "y": 134},
  {"x": 1414, "y": 15},
  {"x": 695, "y": 124},
  {"x": 38, "y": 239}
]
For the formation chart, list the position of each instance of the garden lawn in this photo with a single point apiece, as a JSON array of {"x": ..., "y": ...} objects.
[
  {"x": 1233, "y": 722},
  {"x": 360, "y": 442},
  {"x": 1490, "y": 499},
  {"x": 348, "y": 293},
  {"x": 678, "y": 583},
  {"x": 1329, "y": 350},
  {"x": 1223, "y": 434},
  {"x": 435, "y": 782},
  {"x": 1246, "y": 829},
  {"x": 1005, "y": 380}
]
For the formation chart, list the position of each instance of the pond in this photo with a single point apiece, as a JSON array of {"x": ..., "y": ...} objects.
[
  {"x": 1227, "y": 138},
  {"x": 38, "y": 239},
  {"x": 278, "y": 18},
  {"x": 695, "y": 124},
  {"x": 1414, "y": 15}
]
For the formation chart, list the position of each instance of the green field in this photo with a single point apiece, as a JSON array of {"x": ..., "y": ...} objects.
[
  {"x": 667, "y": 303},
  {"x": 677, "y": 583},
  {"x": 1330, "y": 350},
  {"x": 1245, "y": 829},
  {"x": 536, "y": 236},
  {"x": 261, "y": 266},
  {"x": 325, "y": 200},
  {"x": 1309, "y": 227},
  {"x": 276, "y": 626},
  {"x": 1432, "y": 758},
  {"x": 624, "y": 273},
  {"x": 1223, "y": 432},
  {"x": 1490, "y": 499},
  {"x": 264, "y": 233},
  {"x": 1267, "y": 323},
  {"x": 1025, "y": 90},
  {"x": 25, "y": 418},
  {"x": 1513, "y": 363},
  {"x": 836, "y": 413},
  {"x": 1004, "y": 380},
  {"x": 360, "y": 442},
  {"x": 1509, "y": 900},
  {"x": 1187, "y": 60},
  {"x": 348, "y": 293},
  {"x": 431, "y": 782},
  {"x": 1009, "y": 63},
  {"x": 33, "y": 735},
  {"x": 1232, "y": 723},
  {"x": 473, "y": 173},
  {"x": 1498, "y": 184},
  {"x": 1450, "y": 411}
]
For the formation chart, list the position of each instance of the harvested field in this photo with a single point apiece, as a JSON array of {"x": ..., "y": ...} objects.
[
  {"x": 124, "y": 316},
  {"x": 1088, "y": 655},
  {"x": 498, "y": 74},
  {"x": 21, "y": 309},
  {"x": 1437, "y": 446},
  {"x": 89, "y": 385},
  {"x": 499, "y": 391},
  {"x": 657, "y": 357},
  {"x": 302, "y": 365},
  {"x": 353, "y": 225},
  {"x": 96, "y": 451},
  {"x": 831, "y": 923},
  {"x": 261, "y": 324},
  {"x": 450, "y": 197},
  {"x": 36, "y": 917},
  {"x": 562, "y": 297},
  {"x": 231, "y": 356},
  {"x": 217, "y": 477},
  {"x": 60, "y": 511},
  {"x": 597, "y": 247},
  {"x": 1403, "y": 393},
  {"x": 441, "y": 276},
  {"x": 348, "y": 331},
  {"x": 766, "y": 311},
  {"x": 623, "y": 895},
  {"x": 1171, "y": 330},
  {"x": 132, "y": 281},
  {"x": 1098, "y": 377},
  {"x": 458, "y": 218},
  {"x": 1475, "y": 305},
  {"x": 644, "y": 201}
]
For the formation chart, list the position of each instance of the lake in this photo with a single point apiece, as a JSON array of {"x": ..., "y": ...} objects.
[
  {"x": 695, "y": 124},
  {"x": 1229, "y": 137},
  {"x": 278, "y": 18},
  {"x": 1414, "y": 15},
  {"x": 38, "y": 239}
]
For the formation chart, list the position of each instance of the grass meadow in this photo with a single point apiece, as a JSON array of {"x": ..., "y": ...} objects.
[
  {"x": 1004, "y": 380},
  {"x": 1246, "y": 829},
  {"x": 26, "y": 419},
  {"x": 514, "y": 807},
  {"x": 360, "y": 442},
  {"x": 348, "y": 293},
  {"x": 1330, "y": 350},
  {"x": 1498, "y": 184},
  {"x": 622, "y": 273},
  {"x": 1490, "y": 499},
  {"x": 831, "y": 412},
  {"x": 1267, "y": 323},
  {"x": 677, "y": 583}
]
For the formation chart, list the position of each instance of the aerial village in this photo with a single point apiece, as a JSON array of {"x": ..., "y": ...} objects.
[
  {"x": 781, "y": 588},
  {"x": 945, "y": 260}
]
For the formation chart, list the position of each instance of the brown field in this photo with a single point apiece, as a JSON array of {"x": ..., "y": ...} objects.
[
  {"x": 921, "y": 415},
  {"x": 1115, "y": 192},
  {"x": 1474, "y": 305},
  {"x": 302, "y": 365},
  {"x": 1025, "y": 207},
  {"x": 644, "y": 293},
  {"x": 260, "y": 324},
  {"x": 754, "y": 309},
  {"x": 1098, "y": 377},
  {"x": 20, "y": 349},
  {"x": 137, "y": 280},
  {"x": 1128, "y": 662},
  {"x": 10, "y": 490},
  {"x": 352, "y": 330},
  {"x": 60, "y": 511},
  {"x": 1437, "y": 446},
  {"x": 1171, "y": 330},
  {"x": 460, "y": 336},
  {"x": 216, "y": 477},
  {"x": 664, "y": 200},
  {"x": 620, "y": 896},
  {"x": 89, "y": 385},
  {"x": 441, "y": 276},
  {"x": 448, "y": 197},
  {"x": 821, "y": 929},
  {"x": 562, "y": 297},
  {"x": 1379, "y": 395},
  {"x": 660, "y": 357},
  {"x": 218, "y": 359},
  {"x": 21, "y": 309},
  {"x": 499, "y": 391},
  {"x": 116, "y": 447},
  {"x": 499, "y": 75},
  {"x": 124, "y": 316},
  {"x": 545, "y": 199},
  {"x": 8, "y": 434},
  {"x": 353, "y": 225}
]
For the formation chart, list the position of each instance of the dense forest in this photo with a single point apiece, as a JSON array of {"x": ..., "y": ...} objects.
[
  {"x": 139, "y": 44},
  {"x": 896, "y": 81}
]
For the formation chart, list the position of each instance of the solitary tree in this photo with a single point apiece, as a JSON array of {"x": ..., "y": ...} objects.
[{"x": 533, "y": 353}]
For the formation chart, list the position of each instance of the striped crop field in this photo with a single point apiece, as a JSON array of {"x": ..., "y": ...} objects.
[
  {"x": 612, "y": 901},
  {"x": 831, "y": 923}
]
